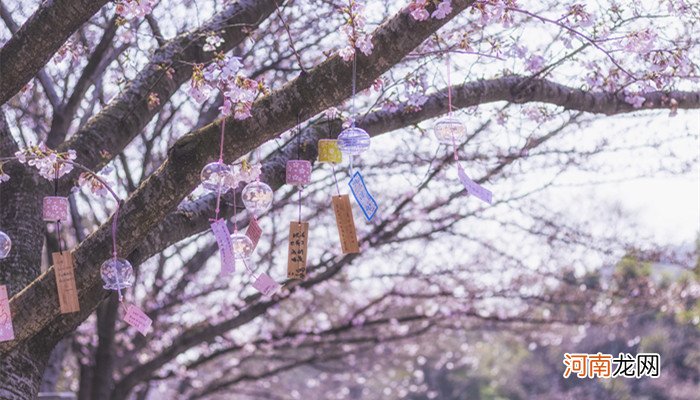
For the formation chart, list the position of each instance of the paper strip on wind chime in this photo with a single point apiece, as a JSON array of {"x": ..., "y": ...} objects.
[
  {"x": 298, "y": 172},
  {"x": 346, "y": 224},
  {"x": 298, "y": 246},
  {"x": 266, "y": 285},
  {"x": 473, "y": 187},
  {"x": 138, "y": 319},
  {"x": 55, "y": 208},
  {"x": 65, "y": 282},
  {"x": 254, "y": 232},
  {"x": 362, "y": 196},
  {"x": 223, "y": 239},
  {"x": 6, "y": 330},
  {"x": 328, "y": 151}
]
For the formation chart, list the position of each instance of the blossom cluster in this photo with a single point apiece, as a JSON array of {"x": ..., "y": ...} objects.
[
  {"x": 495, "y": 11},
  {"x": 51, "y": 164},
  {"x": 354, "y": 30},
  {"x": 245, "y": 174},
  {"x": 223, "y": 74},
  {"x": 134, "y": 8},
  {"x": 411, "y": 99},
  {"x": 96, "y": 184},
  {"x": 70, "y": 50},
  {"x": 419, "y": 10}
]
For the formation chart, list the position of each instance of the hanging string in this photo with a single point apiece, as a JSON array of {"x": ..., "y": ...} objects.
[
  {"x": 58, "y": 222},
  {"x": 354, "y": 85},
  {"x": 221, "y": 160},
  {"x": 301, "y": 187},
  {"x": 235, "y": 213},
  {"x": 449, "y": 105},
  {"x": 337, "y": 187}
]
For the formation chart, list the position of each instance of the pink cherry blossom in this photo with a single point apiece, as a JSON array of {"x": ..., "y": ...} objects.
[{"x": 443, "y": 9}]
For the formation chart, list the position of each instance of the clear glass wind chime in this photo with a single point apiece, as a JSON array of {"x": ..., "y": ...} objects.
[
  {"x": 354, "y": 141},
  {"x": 449, "y": 131}
]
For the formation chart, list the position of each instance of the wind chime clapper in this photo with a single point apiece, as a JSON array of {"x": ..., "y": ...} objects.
[{"x": 450, "y": 131}]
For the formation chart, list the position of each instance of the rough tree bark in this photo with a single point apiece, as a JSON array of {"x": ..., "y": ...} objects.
[
  {"x": 324, "y": 86},
  {"x": 38, "y": 39}
]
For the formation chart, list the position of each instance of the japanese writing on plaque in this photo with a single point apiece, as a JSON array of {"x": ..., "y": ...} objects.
[
  {"x": 223, "y": 239},
  {"x": 298, "y": 246},
  {"x": 584, "y": 365},
  {"x": 362, "y": 196},
  {"x": 65, "y": 282},
  {"x": 473, "y": 187},
  {"x": 254, "y": 231},
  {"x": 266, "y": 285},
  {"x": 138, "y": 319},
  {"x": 346, "y": 224},
  {"x": 7, "y": 332}
]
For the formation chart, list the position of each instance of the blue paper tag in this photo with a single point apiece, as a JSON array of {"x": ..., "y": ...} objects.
[{"x": 362, "y": 196}]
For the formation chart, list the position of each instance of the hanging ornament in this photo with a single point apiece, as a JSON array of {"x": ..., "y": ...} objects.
[
  {"x": 5, "y": 245},
  {"x": 242, "y": 246},
  {"x": 55, "y": 208},
  {"x": 214, "y": 177},
  {"x": 117, "y": 274},
  {"x": 353, "y": 141},
  {"x": 449, "y": 130},
  {"x": 257, "y": 197},
  {"x": 329, "y": 152},
  {"x": 7, "y": 331},
  {"x": 298, "y": 172}
]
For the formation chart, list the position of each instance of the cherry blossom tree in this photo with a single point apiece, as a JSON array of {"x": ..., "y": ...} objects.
[{"x": 132, "y": 95}]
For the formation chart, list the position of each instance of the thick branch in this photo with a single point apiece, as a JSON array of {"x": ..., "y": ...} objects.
[
  {"x": 326, "y": 85},
  {"x": 170, "y": 66},
  {"x": 38, "y": 39}
]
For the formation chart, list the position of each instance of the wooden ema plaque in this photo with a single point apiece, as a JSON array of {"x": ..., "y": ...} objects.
[
  {"x": 298, "y": 245},
  {"x": 346, "y": 224},
  {"x": 65, "y": 282}
]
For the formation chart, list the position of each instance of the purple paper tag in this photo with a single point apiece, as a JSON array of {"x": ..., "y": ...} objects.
[
  {"x": 253, "y": 232},
  {"x": 7, "y": 332},
  {"x": 362, "y": 196},
  {"x": 298, "y": 172},
  {"x": 223, "y": 238},
  {"x": 55, "y": 208},
  {"x": 473, "y": 187},
  {"x": 266, "y": 285},
  {"x": 138, "y": 319}
]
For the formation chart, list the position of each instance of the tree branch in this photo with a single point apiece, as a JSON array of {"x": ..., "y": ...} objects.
[{"x": 38, "y": 39}]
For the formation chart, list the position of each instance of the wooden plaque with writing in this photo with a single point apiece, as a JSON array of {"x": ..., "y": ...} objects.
[
  {"x": 298, "y": 246},
  {"x": 65, "y": 282},
  {"x": 346, "y": 224}
]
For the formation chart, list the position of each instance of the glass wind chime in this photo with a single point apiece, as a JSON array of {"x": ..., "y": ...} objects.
[
  {"x": 118, "y": 274},
  {"x": 450, "y": 131},
  {"x": 218, "y": 177},
  {"x": 352, "y": 142}
]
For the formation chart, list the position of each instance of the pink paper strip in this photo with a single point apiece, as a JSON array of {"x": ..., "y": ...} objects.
[
  {"x": 138, "y": 319},
  {"x": 266, "y": 285},
  {"x": 223, "y": 238},
  {"x": 254, "y": 232},
  {"x": 7, "y": 332},
  {"x": 473, "y": 187}
]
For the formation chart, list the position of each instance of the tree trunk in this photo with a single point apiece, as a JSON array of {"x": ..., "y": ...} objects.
[{"x": 20, "y": 218}]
